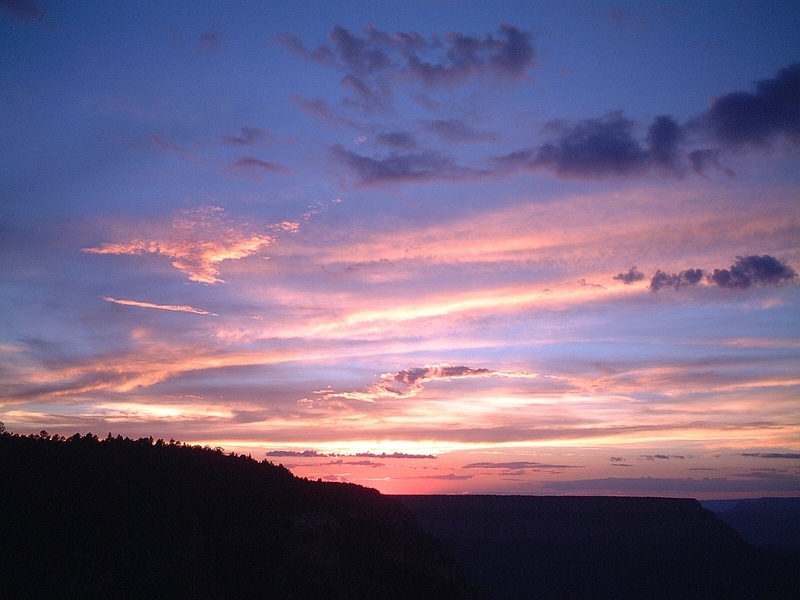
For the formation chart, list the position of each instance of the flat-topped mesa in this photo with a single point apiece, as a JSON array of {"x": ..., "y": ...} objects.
[{"x": 600, "y": 547}]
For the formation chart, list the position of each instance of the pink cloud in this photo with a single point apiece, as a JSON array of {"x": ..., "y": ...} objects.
[{"x": 199, "y": 240}]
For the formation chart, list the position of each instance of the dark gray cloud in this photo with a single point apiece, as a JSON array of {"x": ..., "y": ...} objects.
[
  {"x": 745, "y": 272},
  {"x": 321, "y": 54},
  {"x": 367, "y": 97},
  {"x": 685, "y": 278},
  {"x": 210, "y": 43},
  {"x": 448, "y": 477},
  {"x": 756, "y": 118},
  {"x": 304, "y": 453},
  {"x": 317, "y": 454},
  {"x": 791, "y": 455},
  {"x": 750, "y": 270},
  {"x": 653, "y": 457},
  {"x": 249, "y": 162},
  {"x": 398, "y": 139},
  {"x": 455, "y": 131},
  {"x": 317, "y": 107},
  {"x": 519, "y": 465},
  {"x": 22, "y": 10},
  {"x": 393, "y": 455},
  {"x": 665, "y": 138},
  {"x": 593, "y": 149},
  {"x": 402, "y": 168},
  {"x": 417, "y": 374},
  {"x": 633, "y": 275},
  {"x": 704, "y": 159},
  {"x": 249, "y": 135},
  {"x": 608, "y": 147},
  {"x": 435, "y": 61}
]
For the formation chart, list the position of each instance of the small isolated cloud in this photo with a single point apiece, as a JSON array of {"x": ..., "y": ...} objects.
[
  {"x": 586, "y": 284},
  {"x": 757, "y": 118},
  {"x": 451, "y": 59},
  {"x": 633, "y": 275},
  {"x": 198, "y": 241},
  {"x": 251, "y": 164},
  {"x": 455, "y": 131},
  {"x": 401, "y": 168},
  {"x": 169, "y": 307},
  {"x": 24, "y": 10},
  {"x": 210, "y": 43}
]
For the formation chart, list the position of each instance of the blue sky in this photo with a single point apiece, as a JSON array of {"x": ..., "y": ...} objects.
[{"x": 421, "y": 246}]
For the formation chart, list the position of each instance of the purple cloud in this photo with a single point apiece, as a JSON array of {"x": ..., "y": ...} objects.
[
  {"x": 790, "y": 455},
  {"x": 435, "y": 61},
  {"x": 295, "y": 453},
  {"x": 745, "y": 272},
  {"x": 455, "y": 131},
  {"x": 249, "y": 135},
  {"x": 685, "y": 278},
  {"x": 321, "y": 109},
  {"x": 756, "y": 118},
  {"x": 589, "y": 149},
  {"x": 399, "y": 139},
  {"x": 701, "y": 160},
  {"x": 750, "y": 270},
  {"x": 249, "y": 162},
  {"x": 633, "y": 275},
  {"x": 210, "y": 43},
  {"x": 22, "y": 10},
  {"x": 402, "y": 168},
  {"x": 367, "y": 97},
  {"x": 518, "y": 465}
]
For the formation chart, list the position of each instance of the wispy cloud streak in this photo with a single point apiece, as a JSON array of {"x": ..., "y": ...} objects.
[{"x": 169, "y": 307}]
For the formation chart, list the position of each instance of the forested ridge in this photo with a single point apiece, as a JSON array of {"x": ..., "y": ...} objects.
[{"x": 119, "y": 517}]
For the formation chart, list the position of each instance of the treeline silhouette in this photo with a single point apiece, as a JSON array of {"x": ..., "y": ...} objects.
[{"x": 124, "y": 518}]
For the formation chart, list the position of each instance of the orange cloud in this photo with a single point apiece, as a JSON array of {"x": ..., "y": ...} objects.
[{"x": 200, "y": 239}]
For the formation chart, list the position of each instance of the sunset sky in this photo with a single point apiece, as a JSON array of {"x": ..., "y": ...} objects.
[{"x": 423, "y": 246}]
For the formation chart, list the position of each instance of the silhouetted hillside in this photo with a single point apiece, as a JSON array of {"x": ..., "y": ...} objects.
[
  {"x": 524, "y": 547},
  {"x": 122, "y": 518}
]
